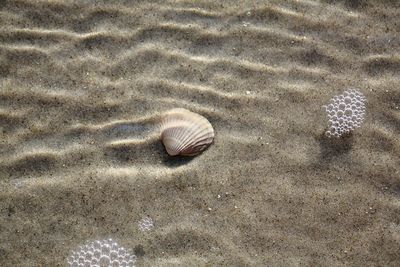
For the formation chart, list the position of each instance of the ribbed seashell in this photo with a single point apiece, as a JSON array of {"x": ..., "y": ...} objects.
[{"x": 185, "y": 133}]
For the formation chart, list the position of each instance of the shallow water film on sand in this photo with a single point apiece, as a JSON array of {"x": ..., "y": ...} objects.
[{"x": 83, "y": 89}]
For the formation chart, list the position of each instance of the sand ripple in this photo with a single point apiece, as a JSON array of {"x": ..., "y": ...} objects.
[{"x": 82, "y": 90}]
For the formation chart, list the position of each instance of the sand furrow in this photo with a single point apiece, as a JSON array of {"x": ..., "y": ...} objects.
[{"x": 83, "y": 88}]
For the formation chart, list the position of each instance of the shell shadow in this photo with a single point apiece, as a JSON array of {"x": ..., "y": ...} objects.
[
  {"x": 151, "y": 152},
  {"x": 176, "y": 161},
  {"x": 167, "y": 160}
]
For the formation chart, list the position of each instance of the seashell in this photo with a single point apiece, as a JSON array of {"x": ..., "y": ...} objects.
[{"x": 185, "y": 133}]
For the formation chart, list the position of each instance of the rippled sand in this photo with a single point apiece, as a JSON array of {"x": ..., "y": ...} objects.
[{"x": 83, "y": 85}]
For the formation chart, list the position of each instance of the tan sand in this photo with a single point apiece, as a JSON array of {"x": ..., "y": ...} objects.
[{"x": 84, "y": 83}]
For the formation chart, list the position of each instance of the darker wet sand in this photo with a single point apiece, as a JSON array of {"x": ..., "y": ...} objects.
[{"x": 83, "y": 85}]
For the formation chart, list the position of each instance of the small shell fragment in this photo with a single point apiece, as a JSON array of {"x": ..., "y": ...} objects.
[{"x": 185, "y": 133}]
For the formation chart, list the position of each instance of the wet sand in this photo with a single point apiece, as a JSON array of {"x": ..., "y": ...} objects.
[{"x": 83, "y": 85}]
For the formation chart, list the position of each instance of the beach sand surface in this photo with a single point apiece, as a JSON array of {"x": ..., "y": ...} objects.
[{"x": 84, "y": 84}]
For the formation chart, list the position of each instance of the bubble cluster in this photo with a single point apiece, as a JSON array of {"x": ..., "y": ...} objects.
[
  {"x": 146, "y": 224},
  {"x": 101, "y": 253},
  {"x": 345, "y": 112}
]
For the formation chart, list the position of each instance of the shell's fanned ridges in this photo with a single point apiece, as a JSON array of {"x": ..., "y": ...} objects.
[
  {"x": 192, "y": 133},
  {"x": 201, "y": 138},
  {"x": 185, "y": 133}
]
